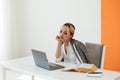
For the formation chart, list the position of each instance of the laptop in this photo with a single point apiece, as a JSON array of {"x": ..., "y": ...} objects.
[{"x": 41, "y": 60}]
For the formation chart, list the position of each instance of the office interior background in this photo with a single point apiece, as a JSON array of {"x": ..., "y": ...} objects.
[{"x": 27, "y": 24}]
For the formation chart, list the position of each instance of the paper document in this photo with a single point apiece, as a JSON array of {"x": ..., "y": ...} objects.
[{"x": 84, "y": 67}]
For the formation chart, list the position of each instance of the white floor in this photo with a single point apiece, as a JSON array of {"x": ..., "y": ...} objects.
[{"x": 13, "y": 75}]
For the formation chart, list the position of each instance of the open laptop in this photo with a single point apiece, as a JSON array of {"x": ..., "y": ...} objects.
[{"x": 41, "y": 60}]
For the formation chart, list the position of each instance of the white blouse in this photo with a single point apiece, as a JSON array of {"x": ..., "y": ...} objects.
[{"x": 69, "y": 57}]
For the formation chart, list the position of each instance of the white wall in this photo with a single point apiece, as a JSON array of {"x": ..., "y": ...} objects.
[
  {"x": 5, "y": 33},
  {"x": 35, "y": 23}
]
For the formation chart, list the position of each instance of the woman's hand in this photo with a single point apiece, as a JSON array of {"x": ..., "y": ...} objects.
[{"x": 59, "y": 38}]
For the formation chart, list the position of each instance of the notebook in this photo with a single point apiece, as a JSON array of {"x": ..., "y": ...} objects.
[{"x": 41, "y": 60}]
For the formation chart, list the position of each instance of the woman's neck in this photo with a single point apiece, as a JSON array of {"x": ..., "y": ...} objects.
[{"x": 66, "y": 44}]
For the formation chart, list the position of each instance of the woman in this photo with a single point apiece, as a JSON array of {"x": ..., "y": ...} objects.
[{"x": 69, "y": 49}]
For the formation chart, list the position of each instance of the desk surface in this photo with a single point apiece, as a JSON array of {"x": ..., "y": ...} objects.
[{"x": 26, "y": 65}]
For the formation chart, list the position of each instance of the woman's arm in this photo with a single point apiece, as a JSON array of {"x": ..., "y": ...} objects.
[{"x": 58, "y": 50}]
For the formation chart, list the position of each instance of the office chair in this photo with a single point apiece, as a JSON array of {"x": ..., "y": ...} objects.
[{"x": 96, "y": 53}]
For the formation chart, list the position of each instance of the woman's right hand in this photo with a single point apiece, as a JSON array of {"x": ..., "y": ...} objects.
[{"x": 58, "y": 38}]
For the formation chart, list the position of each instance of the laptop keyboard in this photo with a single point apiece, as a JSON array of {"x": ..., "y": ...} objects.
[{"x": 55, "y": 66}]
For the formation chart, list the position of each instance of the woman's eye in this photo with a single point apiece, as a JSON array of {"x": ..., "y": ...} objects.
[
  {"x": 60, "y": 31},
  {"x": 65, "y": 33}
]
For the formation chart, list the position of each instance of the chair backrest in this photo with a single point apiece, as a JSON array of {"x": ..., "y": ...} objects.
[{"x": 96, "y": 53}]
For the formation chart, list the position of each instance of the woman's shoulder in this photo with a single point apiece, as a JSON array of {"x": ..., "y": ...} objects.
[{"x": 77, "y": 42}]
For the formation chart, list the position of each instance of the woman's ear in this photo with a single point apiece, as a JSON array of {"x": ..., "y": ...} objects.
[{"x": 71, "y": 35}]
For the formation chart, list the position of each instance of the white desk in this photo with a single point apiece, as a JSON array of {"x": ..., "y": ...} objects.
[{"x": 26, "y": 65}]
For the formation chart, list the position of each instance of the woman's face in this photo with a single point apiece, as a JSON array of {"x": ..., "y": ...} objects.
[{"x": 65, "y": 34}]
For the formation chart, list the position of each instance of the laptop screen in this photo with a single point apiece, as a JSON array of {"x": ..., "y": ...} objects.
[{"x": 40, "y": 58}]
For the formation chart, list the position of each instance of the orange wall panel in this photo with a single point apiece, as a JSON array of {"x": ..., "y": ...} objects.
[{"x": 110, "y": 22}]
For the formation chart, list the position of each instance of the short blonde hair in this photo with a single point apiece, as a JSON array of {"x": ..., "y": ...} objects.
[{"x": 71, "y": 28}]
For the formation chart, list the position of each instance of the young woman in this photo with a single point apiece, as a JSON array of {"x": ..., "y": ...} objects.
[{"x": 69, "y": 49}]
